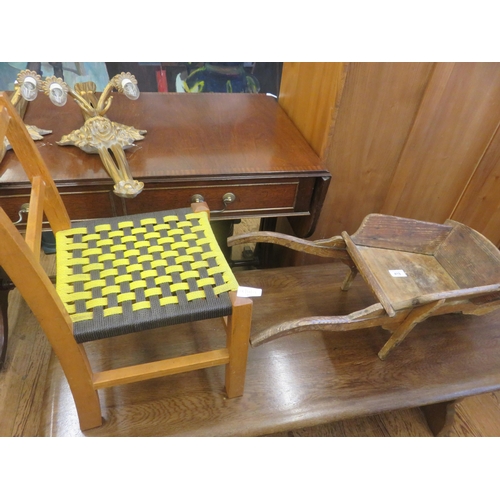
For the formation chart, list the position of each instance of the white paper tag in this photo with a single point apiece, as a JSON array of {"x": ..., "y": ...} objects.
[
  {"x": 397, "y": 273},
  {"x": 247, "y": 291}
]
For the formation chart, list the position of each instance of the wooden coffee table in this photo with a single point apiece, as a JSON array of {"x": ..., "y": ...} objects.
[{"x": 307, "y": 379}]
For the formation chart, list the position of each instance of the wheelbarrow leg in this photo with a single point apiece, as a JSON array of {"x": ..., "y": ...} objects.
[
  {"x": 416, "y": 316},
  {"x": 349, "y": 279}
]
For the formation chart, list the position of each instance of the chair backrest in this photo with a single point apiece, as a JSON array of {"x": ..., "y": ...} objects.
[
  {"x": 45, "y": 196},
  {"x": 20, "y": 257}
]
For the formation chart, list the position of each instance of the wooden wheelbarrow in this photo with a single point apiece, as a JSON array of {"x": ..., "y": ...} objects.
[{"x": 415, "y": 269}]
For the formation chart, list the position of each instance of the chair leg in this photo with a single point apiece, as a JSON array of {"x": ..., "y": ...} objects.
[
  {"x": 238, "y": 336},
  {"x": 77, "y": 370},
  {"x": 88, "y": 409}
]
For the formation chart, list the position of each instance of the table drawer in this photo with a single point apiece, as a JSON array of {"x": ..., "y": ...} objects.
[
  {"x": 80, "y": 205},
  {"x": 250, "y": 199},
  {"x": 261, "y": 198}
]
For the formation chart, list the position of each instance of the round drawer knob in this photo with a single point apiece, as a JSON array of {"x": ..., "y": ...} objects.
[
  {"x": 197, "y": 198},
  {"x": 228, "y": 198}
]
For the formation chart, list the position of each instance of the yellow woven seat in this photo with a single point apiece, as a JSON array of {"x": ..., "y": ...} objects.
[
  {"x": 134, "y": 273},
  {"x": 117, "y": 276}
]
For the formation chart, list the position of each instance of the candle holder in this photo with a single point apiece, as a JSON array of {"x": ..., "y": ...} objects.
[
  {"x": 99, "y": 135},
  {"x": 26, "y": 88}
]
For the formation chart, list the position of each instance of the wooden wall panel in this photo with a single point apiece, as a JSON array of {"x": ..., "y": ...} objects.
[
  {"x": 377, "y": 111},
  {"x": 308, "y": 94},
  {"x": 479, "y": 206},
  {"x": 417, "y": 140},
  {"x": 455, "y": 124}
]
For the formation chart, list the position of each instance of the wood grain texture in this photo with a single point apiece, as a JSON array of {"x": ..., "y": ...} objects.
[
  {"x": 415, "y": 268},
  {"x": 31, "y": 164},
  {"x": 35, "y": 216},
  {"x": 4, "y": 321},
  {"x": 310, "y": 94},
  {"x": 479, "y": 205},
  {"x": 237, "y": 338},
  {"x": 40, "y": 294},
  {"x": 23, "y": 378},
  {"x": 368, "y": 317},
  {"x": 371, "y": 426},
  {"x": 417, "y": 140},
  {"x": 371, "y": 278},
  {"x": 4, "y": 123},
  {"x": 454, "y": 126},
  {"x": 205, "y": 144},
  {"x": 475, "y": 415},
  {"x": 470, "y": 259},
  {"x": 424, "y": 274},
  {"x": 309, "y": 379},
  {"x": 155, "y": 369},
  {"x": 332, "y": 247},
  {"x": 378, "y": 107},
  {"x": 440, "y": 417},
  {"x": 20, "y": 261},
  {"x": 188, "y": 134},
  {"x": 402, "y": 423},
  {"x": 397, "y": 233},
  {"x": 416, "y": 315}
]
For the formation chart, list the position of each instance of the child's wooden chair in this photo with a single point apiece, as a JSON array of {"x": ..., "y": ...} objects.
[{"x": 116, "y": 276}]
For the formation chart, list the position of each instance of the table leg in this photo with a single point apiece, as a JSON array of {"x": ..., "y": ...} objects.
[
  {"x": 4, "y": 325},
  {"x": 265, "y": 251},
  {"x": 440, "y": 416},
  {"x": 5, "y": 287}
]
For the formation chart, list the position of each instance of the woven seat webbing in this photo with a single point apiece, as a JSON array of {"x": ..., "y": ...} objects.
[{"x": 134, "y": 273}]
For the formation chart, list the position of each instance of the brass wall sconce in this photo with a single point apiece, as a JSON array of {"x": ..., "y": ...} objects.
[
  {"x": 26, "y": 87},
  {"x": 99, "y": 135}
]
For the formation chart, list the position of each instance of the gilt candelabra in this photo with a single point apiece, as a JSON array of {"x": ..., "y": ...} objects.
[
  {"x": 26, "y": 88},
  {"x": 98, "y": 135}
]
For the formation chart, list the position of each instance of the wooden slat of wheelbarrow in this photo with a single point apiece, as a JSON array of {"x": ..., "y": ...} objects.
[{"x": 367, "y": 274}]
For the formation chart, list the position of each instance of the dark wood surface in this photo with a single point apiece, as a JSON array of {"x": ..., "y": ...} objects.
[
  {"x": 306, "y": 379},
  {"x": 5, "y": 287},
  {"x": 205, "y": 144}
]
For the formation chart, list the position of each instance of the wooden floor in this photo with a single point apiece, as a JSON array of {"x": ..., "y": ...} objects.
[
  {"x": 477, "y": 416},
  {"x": 24, "y": 380}
]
